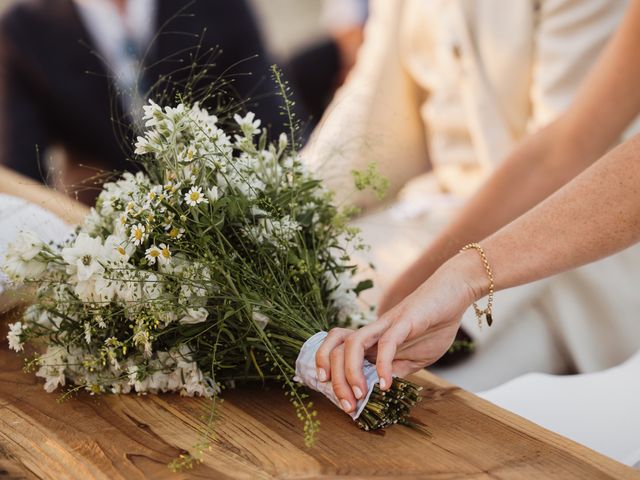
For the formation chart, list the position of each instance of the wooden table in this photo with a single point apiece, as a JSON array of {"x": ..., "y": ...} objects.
[{"x": 259, "y": 436}]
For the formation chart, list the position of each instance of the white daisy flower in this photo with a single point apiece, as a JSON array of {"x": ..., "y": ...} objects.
[
  {"x": 165, "y": 254},
  {"x": 155, "y": 195},
  {"x": 118, "y": 249},
  {"x": 170, "y": 188},
  {"x": 176, "y": 232},
  {"x": 138, "y": 234},
  {"x": 152, "y": 254},
  {"x": 194, "y": 196}
]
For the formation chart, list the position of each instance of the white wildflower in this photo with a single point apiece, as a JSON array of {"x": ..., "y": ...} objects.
[
  {"x": 92, "y": 221},
  {"x": 176, "y": 232},
  {"x": 260, "y": 319},
  {"x": 165, "y": 254},
  {"x": 213, "y": 194},
  {"x": 87, "y": 332},
  {"x": 194, "y": 196},
  {"x": 84, "y": 257},
  {"x": 194, "y": 315},
  {"x": 248, "y": 124},
  {"x": 141, "y": 338},
  {"x": 26, "y": 246},
  {"x": 20, "y": 260},
  {"x": 283, "y": 141},
  {"x": 53, "y": 367},
  {"x": 138, "y": 234},
  {"x": 118, "y": 249},
  {"x": 14, "y": 336},
  {"x": 152, "y": 253},
  {"x": 189, "y": 155}
]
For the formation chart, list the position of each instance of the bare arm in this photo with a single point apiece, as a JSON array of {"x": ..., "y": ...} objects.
[
  {"x": 547, "y": 160},
  {"x": 12, "y": 183},
  {"x": 596, "y": 214}
]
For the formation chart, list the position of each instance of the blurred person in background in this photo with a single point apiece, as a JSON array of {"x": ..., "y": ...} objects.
[
  {"x": 317, "y": 71},
  {"x": 442, "y": 91},
  {"x": 70, "y": 68}
]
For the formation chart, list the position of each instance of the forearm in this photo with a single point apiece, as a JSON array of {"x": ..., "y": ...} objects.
[
  {"x": 541, "y": 164},
  {"x": 595, "y": 215},
  {"x": 12, "y": 183},
  {"x": 553, "y": 156}
]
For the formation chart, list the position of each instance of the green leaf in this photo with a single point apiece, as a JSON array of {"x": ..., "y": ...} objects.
[{"x": 362, "y": 286}]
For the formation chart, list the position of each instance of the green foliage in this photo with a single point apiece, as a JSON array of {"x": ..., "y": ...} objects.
[{"x": 370, "y": 178}]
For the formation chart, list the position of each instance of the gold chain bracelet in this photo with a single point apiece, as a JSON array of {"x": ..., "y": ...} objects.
[{"x": 487, "y": 311}]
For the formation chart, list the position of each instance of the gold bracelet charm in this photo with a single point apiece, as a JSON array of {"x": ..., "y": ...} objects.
[{"x": 487, "y": 311}]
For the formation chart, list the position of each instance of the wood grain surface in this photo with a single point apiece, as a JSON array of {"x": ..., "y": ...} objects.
[{"x": 259, "y": 437}]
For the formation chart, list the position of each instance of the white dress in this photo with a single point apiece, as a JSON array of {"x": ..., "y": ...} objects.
[
  {"x": 598, "y": 410},
  {"x": 18, "y": 215}
]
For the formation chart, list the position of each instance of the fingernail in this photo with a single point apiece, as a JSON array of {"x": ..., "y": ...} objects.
[
  {"x": 322, "y": 375},
  {"x": 346, "y": 406},
  {"x": 357, "y": 392},
  {"x": 383, "y": 383}
]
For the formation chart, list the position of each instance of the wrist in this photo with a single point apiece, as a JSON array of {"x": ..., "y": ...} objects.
[{"x": 469, "y": 269}]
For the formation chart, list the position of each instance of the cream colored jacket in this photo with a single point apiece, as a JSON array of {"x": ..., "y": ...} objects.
[{"x": 452, "y": 85}]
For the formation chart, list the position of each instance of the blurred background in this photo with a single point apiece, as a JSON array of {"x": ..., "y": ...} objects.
[
  {"x": 70, "y": 66},
  {"x": 286, "y": 24}
]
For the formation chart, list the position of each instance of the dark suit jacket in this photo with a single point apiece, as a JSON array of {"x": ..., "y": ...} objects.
[{"x": 55, "y": 90}]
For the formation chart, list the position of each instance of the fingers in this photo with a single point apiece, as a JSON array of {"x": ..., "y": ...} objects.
[
  {"x": 335, "y": 338},
  {"x": 339, "y": 382},
  {"x": 355, "y": 346},
  {"x": 387, "y": 346},
  {"x": 346, "y": 375},
  {"x": 354, "y": 358}
]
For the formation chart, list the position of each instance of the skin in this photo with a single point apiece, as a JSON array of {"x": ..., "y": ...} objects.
[
  {"x": 12, "y": 183},
  {"x": 121, "y": 5},
  {"x": 565, "y": 208}
]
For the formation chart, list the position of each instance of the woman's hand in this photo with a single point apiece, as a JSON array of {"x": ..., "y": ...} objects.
[{"x": 410, "y": 336}]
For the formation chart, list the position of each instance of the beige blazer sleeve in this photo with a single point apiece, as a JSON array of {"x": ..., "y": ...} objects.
[
  {"x": 374, "y": 116},
  {"x": 570, "y": 37}
]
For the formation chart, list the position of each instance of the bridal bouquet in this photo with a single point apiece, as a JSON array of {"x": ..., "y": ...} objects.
[{"x": 223, "y": 262}]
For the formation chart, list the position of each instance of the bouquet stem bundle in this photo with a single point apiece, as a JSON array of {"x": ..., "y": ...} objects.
[{"x": 386, "y": 408}]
